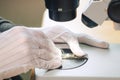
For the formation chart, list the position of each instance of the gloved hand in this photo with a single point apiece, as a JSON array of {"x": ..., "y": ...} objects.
[
  {"x": 64, "y": 35},
  {"x": 22, "y": 49}
]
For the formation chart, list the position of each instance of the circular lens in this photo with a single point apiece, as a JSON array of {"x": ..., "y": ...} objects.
[
  {"x": 114, "y": 11},
  {"x": 62, "y": 16}
]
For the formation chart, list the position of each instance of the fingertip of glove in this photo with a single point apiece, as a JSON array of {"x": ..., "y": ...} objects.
[{"x": 105, "y": 45}]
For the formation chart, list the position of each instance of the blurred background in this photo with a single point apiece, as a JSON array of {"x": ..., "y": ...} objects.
[{"x": 23, "y": 12}]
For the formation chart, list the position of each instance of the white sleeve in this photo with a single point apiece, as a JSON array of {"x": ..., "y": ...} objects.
[{"x": 12, "y": 60}]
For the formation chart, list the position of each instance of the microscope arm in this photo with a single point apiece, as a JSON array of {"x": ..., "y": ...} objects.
[{"x": 100, "y": 11}]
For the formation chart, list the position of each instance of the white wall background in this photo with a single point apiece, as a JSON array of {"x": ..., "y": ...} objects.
[{"x": 23, "y": 12}]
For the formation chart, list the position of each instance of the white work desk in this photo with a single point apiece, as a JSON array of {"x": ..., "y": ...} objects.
[{"x": 103, "y": 64}]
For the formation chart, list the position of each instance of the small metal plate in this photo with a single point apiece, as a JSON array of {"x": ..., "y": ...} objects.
[{"x": 70, "y": 61}]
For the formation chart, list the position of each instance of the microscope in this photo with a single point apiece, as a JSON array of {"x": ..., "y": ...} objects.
[
  {"x": 94, "y": 13},
  {"x": 102, "y": 10},
  {"x": 62, "y": 10},
  {"x": 102, "y": 64},
  {"x": 97, "y": 11}
]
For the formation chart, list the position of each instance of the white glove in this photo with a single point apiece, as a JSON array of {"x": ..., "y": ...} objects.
[
  {"x": 62, "y": 34},
  {"x": 22, "y": 49}
]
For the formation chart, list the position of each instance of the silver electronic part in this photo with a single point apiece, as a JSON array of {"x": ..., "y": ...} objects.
[{"x": 69, "y": 60}]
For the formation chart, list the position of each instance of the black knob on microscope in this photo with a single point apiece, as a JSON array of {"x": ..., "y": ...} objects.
[{"x": 114, "y": 10}]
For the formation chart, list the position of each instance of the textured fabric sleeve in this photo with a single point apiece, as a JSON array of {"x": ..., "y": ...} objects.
[{"x": 5, "y": 24}]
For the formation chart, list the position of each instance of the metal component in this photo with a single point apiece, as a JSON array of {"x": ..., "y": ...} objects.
[{"x": 71, "y": 61}]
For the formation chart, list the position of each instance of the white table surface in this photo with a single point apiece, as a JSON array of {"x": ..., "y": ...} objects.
[{"x": 103, "y": 64}]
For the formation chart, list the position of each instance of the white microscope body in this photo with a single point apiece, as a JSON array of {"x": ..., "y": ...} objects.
[
  {"x": 99, "y": 11},
  {"x": 96, "y": 12}
]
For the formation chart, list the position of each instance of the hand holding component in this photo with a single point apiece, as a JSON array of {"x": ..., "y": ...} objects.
[
  {"x": 22, "y": 49},
  {"x": 61, "y": 34}
]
